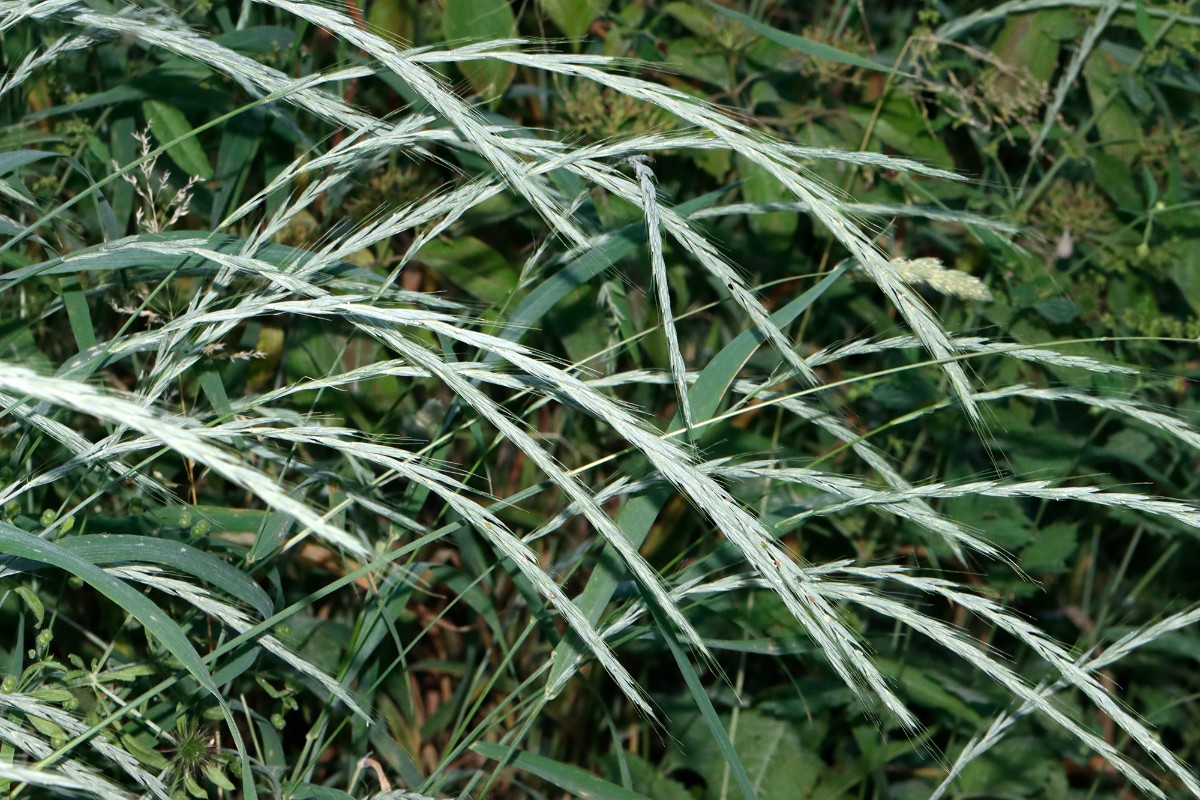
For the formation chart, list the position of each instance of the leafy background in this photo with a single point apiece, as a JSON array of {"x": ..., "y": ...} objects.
[{"x": 1076, "y": 125}]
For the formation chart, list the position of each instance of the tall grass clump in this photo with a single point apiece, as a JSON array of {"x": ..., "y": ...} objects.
[{"x": 396, "y": 414}]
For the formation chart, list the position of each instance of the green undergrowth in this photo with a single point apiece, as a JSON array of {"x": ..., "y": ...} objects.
[{"x": 600, "y": 398}]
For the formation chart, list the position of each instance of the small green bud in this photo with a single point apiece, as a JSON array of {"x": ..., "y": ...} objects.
[
  {"x": 44, "y": 638},
  {"x": 68, "y": 524},
  {"x": 278, "y": 721},
  {"x": 1143, "y": 250},
  {"x": 8, "y": 685},
  {"x": 48, "y": 517},
  {"x": 185, "y": 518},
  {"x": 200, "y": 529},
  {"x": 75, "y": 582}
]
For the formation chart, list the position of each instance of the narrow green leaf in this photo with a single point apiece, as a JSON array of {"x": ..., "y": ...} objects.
[
  {"x": 80, "y": 317},
  {"x": 707, "y": 712},
  {"x": 1145, "y": 26},
  {"x": 16, "y": 542},
  {"x": 16, "y": 159},
  {"x": 802, "y": 44},
  {"x": 169, "y": 124},
  {"x": 595, "y": 261},
  {"x": 117, "y": 548},
  {"x": 567, "y": 777},
  {"x": 34, "y": 602},
  {"x": 639, "y": 513}
]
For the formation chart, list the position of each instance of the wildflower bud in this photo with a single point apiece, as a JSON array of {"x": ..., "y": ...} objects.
[
  {"x": 1065, "y": 246},
  {"x": 185, "y": 518},
  {"x": 1143, "y": 250},
  {"x": 75, "y": 582},
  {"x": 47, "y": 517},
  {"x": 278, "y": 721},
  {"x": 200, "y": 529},
  {"x": 44, "y": 638},
  {"x": 8, "y": 685}
]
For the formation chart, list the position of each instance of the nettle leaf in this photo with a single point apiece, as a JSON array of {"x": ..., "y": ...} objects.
[
  {"x": 481, "y": 20},
  {"x": 777, "y": 762},
  {"x": 1052, "y": 545}
]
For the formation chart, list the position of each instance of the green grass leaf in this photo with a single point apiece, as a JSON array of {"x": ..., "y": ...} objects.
[
  {"x": 803, "y": 44},
  {"x": 565, "y": 776}
]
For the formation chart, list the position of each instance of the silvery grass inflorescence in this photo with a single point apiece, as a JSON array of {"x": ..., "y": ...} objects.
[{"x": 251, "y": 442}]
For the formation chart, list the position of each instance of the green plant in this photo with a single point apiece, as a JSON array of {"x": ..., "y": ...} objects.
[{"x": 402, "y": 439}]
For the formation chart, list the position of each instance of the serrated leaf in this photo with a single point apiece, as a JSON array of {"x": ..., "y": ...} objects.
[{"x": 1052, "y": 545}]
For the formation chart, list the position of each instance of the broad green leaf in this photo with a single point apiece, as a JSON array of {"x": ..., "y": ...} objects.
[
  {"x": 1052, "y": 545},
  {"x": 759, "y": 186},
  {"x": 573, "y": 17},
  {"x": 924, "y": 689},
  {"x": 778, "y": 765},
  {"x": 646, "y": 778},
  {"x": 1119, "y": 125},
  {"x": 802, "y": 44},
  {"x": 473, "y": 265},
  {"x": 567, "y": 777},
  {"x": 393, "y": 16},
  {"x": 1029, "y": 45},
  {"x": 481, "y": 20},
  {"x": 169, "y": 124}
]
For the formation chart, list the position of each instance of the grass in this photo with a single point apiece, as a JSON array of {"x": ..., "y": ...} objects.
[{"x": 676, "y": 412}]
